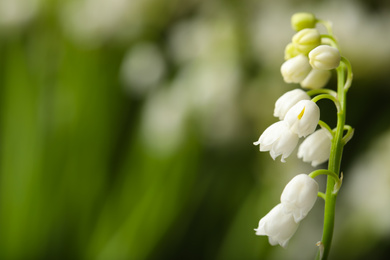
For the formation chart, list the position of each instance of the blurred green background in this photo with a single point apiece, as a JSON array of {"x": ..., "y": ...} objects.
[{"x": 126, "y": 129}]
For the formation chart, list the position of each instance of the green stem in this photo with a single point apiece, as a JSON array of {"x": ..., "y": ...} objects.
[
  {"x": 348, "y": 82},
  {"x": 334, "y": 166},
  {"x": 321, "y": 195},
  {"x": 332, "y": 40},
  {"x": 321, "y": 91},
  {"x": 326, "y": 126},
  {"x": 327, "y": 96},
  {"x": 327, "y": 25},
  {"x": 324, "y": 172}
]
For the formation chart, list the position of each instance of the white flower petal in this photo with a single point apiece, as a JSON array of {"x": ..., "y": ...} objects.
[
  {"x": 324, "y": 57},
  {"x": 278, "y": 140},
  {"x": 287, "y": 100},
  {"x": 299, "y": 196},
  {"x": 316, "y": 147},
  {"x": 303, "y": 117},
  {"x": 316, "y": 79},
  {"x": 295, "y": 69},
  {"x": 278, "y": 226}
]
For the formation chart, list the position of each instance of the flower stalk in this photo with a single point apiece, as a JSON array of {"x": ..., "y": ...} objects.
[
  {"x": 310, "y": 58},
  {"x": 335, "y": 160}
]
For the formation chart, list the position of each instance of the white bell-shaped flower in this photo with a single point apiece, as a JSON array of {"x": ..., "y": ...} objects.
[
  {"x": 278, "y": 140},
  {"x": 278, "y": 226},
  {"x": 324, "y": 57},
  {"x": 287, "y": 100},
  {"x": 295, "y": 69},
  {"x": 303, "y": 117},
  {"x": 316, "y": 147},
  {"x": 299, "y": 196},
  {"x": 316, "y": 79}
]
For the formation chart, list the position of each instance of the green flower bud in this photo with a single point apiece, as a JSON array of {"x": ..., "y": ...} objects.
[
  {"x": 301, "y": 21},
  {"x": 290, "y": 51},
  {"x": 305, "y": 40}
]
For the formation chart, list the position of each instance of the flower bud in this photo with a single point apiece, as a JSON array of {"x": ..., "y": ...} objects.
[
  {"x": 278, "y": 140},
  {"x": 295, "y": 69},
  {"x": 299, "y": 196},
  {"x": 278, "y": 226},
  {"x": 287, "y": 100},
  {"x": 325, "y": 57},
  {"x": 290, "y": 51},
  {"x": 316, "y": 79},
  {"x": 303, "y": 117},
  {"x": 305, "y": 40},
  {"x": 301, "y": 21},
  {"x": 316, "y": 147}
]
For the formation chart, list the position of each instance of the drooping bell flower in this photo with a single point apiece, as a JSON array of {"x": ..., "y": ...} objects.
[
  {"x": 278, "y": 226},
  {"x": 316, "y": 147},
  {"x": 278, "y": 140},
  {"x": 287, "y": 100},
  {"x": 299, "y": 196},
  {"x": 303, "y": 117}
]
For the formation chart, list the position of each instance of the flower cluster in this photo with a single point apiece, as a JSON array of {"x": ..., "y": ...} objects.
[
  {"x": 309, "y": 62},
  {"x": 299, "y": 117},
  {"x": 308, "y": 58},
  {"x": 297, "y": 199}
]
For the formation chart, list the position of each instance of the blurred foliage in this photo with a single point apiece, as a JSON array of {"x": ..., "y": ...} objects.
[{"x": 126, "y": 128}]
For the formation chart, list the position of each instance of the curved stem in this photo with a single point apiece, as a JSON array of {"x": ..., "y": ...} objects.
[
  {"x": 327, "y": 25},
  {"x": 332, "y": 40},
  {"x": 323, "y": 96},
  {"x": 326, "y": 126},
  {"x": 324, "y": 172},
  {"x": 349, "y": 134},
  {"x": 348, "y": 82},
  {"x": 321, "y": 195},
  {"x": 321, "y": 91}
]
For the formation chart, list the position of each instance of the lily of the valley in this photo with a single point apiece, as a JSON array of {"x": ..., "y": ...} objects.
[
  {"x": 324, "y": 57},
  {"x": 299, "y": 196},
  {"x": 278, "y": 226},
  {"x": 303, "y": 117},
  {"x": 306, "y": 40},
  {"x": 316, "y": 79},
  {"x": 297, "y": 199},
  {"x": 302, "y": 20},
  {"x": 296, "y": 69},
  {"x": 278, "y": 140},
  {"x": 288, "y": 100},
  {"x": 290, "y": 51},
  {"x": 316, "y": 147}
]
